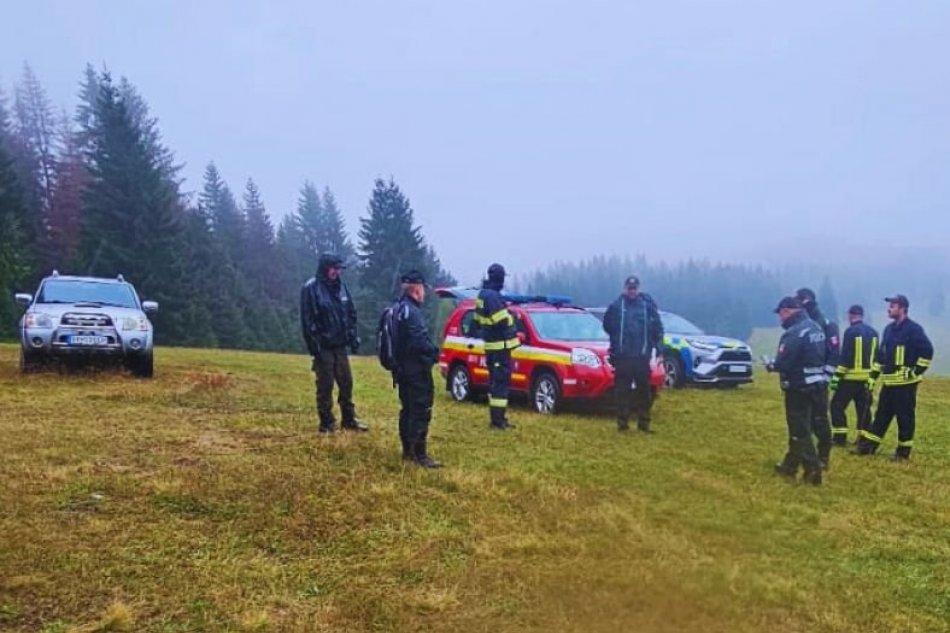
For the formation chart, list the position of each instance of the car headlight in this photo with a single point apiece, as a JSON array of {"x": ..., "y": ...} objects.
[
  {"x": 41, "y": 321},
  {"x": 585, "y": 357},
  {"x": 135, "y": 323},
  {"x": 702, "y": 345}
]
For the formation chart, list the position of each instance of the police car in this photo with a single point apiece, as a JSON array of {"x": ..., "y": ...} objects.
[
  {"x": 691, "y": 356},
  {"x": 563, "y": 352}
]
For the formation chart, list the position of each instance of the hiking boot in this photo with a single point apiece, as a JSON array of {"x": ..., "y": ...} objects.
[
  {"x": 623, "y": 425},
  {"x": 812, "y": 477},
  {"x": 785, "y": 470},
  {"x": 326, "y": 430},
  {"x": 422, "y": 457},
  {"x": 356, "y": 426}
]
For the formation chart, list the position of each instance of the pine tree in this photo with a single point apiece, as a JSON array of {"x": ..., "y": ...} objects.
[
  {"x": 72, "y": 176},
  {"x": 258, "y": 261},
  {"x": 13, "y": 261},
  {"x": 335, "y": 239},
  {"x": 133, "y": 220},
  {"x": 227, "y": 220}
]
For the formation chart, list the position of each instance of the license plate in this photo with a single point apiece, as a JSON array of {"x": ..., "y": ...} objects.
[
  {"x": 738, "y": 369},
  {"x": 88, "y": 340}
]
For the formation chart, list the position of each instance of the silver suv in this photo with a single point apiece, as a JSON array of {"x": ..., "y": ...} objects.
[{"x": 85, "y": 318}]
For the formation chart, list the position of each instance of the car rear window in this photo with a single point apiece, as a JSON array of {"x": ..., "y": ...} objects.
[{"x": 568, "y": 325}]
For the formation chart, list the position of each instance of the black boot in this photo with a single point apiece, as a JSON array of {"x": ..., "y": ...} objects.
[
  {"x": 902, "y": 454},
  {"x": 812, "y": 477},
  {"x": 354, "y": 425},
  {"x": 422, "y": 456},
  {"x": 864, "y": 447},
  {"x": 644, "y": 426},
  {"x": 327, "y": 429},
  {"x": 786, "y": 468},
  {"x": 408, "y": 455},
  {"x": 498, "y": 421},
  {"x": 623, "y": 424}
]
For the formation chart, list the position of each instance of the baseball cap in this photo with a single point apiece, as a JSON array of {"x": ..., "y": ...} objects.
[
  {"x": 790, "y": 303},
  {"x": 633, "y": 281},
  {"x": 900, "y": 300},
  {"x": 856, "y": 310}
]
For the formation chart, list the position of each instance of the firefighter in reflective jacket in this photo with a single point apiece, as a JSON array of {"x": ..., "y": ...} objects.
[
  {"x": 498, "y": 330},
  {"x": 800, "y": 363},
  {"x": 850, "y": 381},
  {"x": 904, "y": 355},
  {"x": 821, "y": 425}
]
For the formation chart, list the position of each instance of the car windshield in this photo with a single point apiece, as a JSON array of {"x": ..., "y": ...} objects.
[
  {"x": 568, "y": 326},
  {"x": 675, "y": 324},
  {"x": 72, "y": 292}
]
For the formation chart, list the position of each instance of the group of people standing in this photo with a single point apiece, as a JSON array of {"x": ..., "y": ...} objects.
[{"x": 812, "y": 360}]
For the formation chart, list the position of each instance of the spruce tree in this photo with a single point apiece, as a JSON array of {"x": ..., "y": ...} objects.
[{"x": 13, "y": 260}]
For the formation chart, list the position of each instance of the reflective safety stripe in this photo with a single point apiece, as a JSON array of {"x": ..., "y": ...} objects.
[
  {"x": 814, "y": 370},
  {"x": 856, "y": 376},
  {"x": 900, "y": 378},
  {"x": 497, "y": 346},
  {"x": 841, "y": 369},
  {"x": 814, "y": 380},
  {"x": 923, "y": 362},
  {"x": 858, "y": 353},
  {"x": 876, "y": 367},
  {"x": 908, "y": 443},
  {"x": 873, "y": 353},
  {"x": 839, "y": 430},
  {"x": 498, "y": 402},
  {"x": 871, "y": 436},
  {"x": 899, "y": 356}
]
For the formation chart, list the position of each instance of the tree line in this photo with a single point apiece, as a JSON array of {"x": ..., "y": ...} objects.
[{"x": 97, "y": 192}]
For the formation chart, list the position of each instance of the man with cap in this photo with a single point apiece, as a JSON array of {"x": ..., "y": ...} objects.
[
  {"x": 328, "y": 320},
  {"x": 903, "y": 356},
  {"x": 821, "y": 425},
  {"x": 416, "y": 354},
  {"x": 800, "y": 364},
  {"x": 498, "y": 330},
  {"x": 636, "y": 334},
  {"x": 851, "y": 378}
]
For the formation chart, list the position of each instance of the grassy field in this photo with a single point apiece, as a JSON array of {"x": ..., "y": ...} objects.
[{"x": 205, "y": 501}]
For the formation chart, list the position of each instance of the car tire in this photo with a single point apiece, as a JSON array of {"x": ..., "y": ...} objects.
[
  {"x": 29, "y": 362},
  {"x": 142, "y": 366},
  {"x": 459, "y": 383},
  {"x": 675, "y": 371},
  {"x": 545, "y": 393}
]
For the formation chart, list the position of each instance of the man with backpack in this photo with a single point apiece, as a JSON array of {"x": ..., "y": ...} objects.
[
  {"x": 406, "y": 349},
  {"x": 328, "y": 320}
]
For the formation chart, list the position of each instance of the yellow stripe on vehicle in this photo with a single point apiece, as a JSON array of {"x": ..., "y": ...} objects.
[{"x": 542, "y": 355}]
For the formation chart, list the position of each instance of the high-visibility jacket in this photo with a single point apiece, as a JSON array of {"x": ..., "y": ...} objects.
[
  {"x": 904, "y": 354},
  {"x": 495, "y": 321},
  {"x": 858, "y": 349}
]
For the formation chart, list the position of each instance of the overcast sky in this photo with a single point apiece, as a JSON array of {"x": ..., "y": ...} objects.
[{"x": 531, "y": 131}]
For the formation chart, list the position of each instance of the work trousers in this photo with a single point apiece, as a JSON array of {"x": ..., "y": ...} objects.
[
  {"x": 333, "y": 366},
  {"x": 632, "y": 390}
]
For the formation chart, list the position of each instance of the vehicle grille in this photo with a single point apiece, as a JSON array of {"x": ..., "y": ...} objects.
[
  {"x": 86, "y": 320},
  {"x": 738, "y": 357}
]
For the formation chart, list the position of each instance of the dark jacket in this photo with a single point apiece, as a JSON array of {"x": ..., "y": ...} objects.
[
  {"x": 415, "y": 350},
  {"x": 327, "y": 313},
  {"x": 495, "y": 322},
  {"x": 634, "y": 327},
  {"x": 858, "y": 349},
  {"x": 801, "y": 353},
  {"x": 904, "y": 355},
  {"x": 832, "y": 342}
]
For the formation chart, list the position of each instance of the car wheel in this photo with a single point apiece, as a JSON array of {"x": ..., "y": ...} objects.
[
  {"x": 545, "y": 393},
  {"x": 459, "y": 384},
  {"x": 142, "y": 366},
  {"x": 29, "y": 362},
  {"x": 675, "y": 372}
]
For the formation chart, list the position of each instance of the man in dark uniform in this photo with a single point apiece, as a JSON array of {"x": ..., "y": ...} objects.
[
  {"x": 821, "y": 425},
  {"x": 636, "y": 333},
  {"x": 850, "y": 381},
  {"x": 800, "y": 363},
  {"x": 497, "y": 326},
  {"x": 328, "y": 320},
  {"x": 416, "y": 354},
  {"x": 903, "y": 356}
]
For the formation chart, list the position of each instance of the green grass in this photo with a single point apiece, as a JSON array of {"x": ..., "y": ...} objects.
[{"x": 205, "y": 501}]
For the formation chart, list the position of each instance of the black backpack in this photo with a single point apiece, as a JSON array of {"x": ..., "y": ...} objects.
[{"x": 386, "y": 337}]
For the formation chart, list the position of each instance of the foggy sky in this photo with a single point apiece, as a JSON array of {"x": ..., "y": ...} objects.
[{"x": 738, "y": 131}]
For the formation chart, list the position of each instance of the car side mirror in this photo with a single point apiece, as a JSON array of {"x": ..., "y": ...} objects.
[
  {"x": 24, "y": 299},
  {"x": 150, "y": 306}
]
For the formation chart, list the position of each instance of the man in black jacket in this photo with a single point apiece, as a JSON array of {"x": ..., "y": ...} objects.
[
  {"x": 800, "y": 363},
  {"x": 416, "y": 354},
  {"x": 821, "y": 425},
  {"x": 328, "y": 320},
  {"x": 636, "y": 332},
  {"x": 497, "y": 326},
  {"x": 851, "y": 378}
]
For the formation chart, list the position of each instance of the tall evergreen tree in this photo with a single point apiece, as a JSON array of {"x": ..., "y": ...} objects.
[
  {"x": 226, "y": 218},
  {"x": 72, "y": 177},
  {"x": 335, "y": 239},
  {"x": 13, "y": 260},
  {"x": 133, "y": 219},
  {"x": 259, "y": 245}
]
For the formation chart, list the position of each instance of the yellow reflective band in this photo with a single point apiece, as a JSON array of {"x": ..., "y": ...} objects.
[
  {"x": 873, "y": 351},
  {"x": 498, "y": 402},
  {"x": 899, "y": 356},
  {"x": 841, "y": 369},
  {"x": 907, "y": 444},
  {"x": 856, "y": 375},
  {"x": 871, "y": 436},
  {"x": 876, "y": 367},
  {"x": 497, "y": 346},
  {"x": 841, "y": 431},
  {"x": 500, "y": 316},
  {"x": 479, "y": 303},
  {"x": 858, "y": 353},
  {"x": 923, "y": 362}
]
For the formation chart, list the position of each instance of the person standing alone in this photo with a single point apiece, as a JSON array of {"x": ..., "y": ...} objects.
[{"x": 498, "y": 331}]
